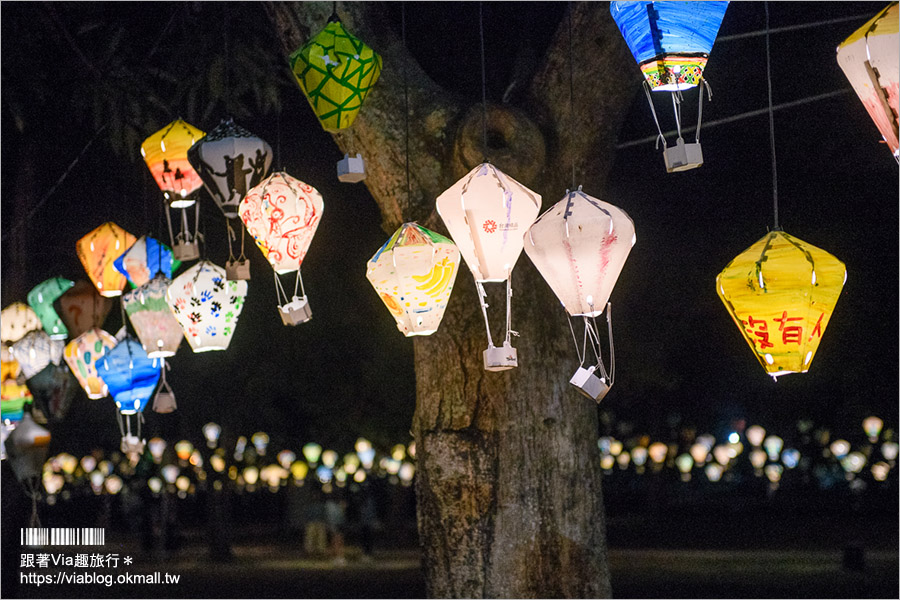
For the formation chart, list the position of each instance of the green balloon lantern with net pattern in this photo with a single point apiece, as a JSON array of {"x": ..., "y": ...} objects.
[{"x": 336, "y": 71}]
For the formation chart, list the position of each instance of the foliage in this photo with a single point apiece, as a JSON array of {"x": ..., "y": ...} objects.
[{"x": 92, "y": 64}]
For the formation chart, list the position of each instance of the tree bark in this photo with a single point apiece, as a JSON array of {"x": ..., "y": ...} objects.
[{"x": 508, "y": 487}]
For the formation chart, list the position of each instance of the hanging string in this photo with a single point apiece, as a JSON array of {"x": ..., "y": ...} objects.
[
  {"x": 405, "y": 96},
  {"x": 483, "y": 84},
  {"x": 278, "y": 141},
  {"x": 225, "y": 62},
  {"x": 571, "y": 98},
  {"x": 771, "y": 121}
]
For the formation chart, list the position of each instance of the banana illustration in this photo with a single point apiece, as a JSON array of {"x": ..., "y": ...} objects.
[{"x": 437, "y": 281}]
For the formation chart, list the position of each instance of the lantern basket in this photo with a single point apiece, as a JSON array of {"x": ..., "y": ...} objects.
[
  {"x": 351, "y": 169},
  {"x": 186, "y": 245},
  {"x": 297, "y": 310},
  {"x": 236, "y": 269}
]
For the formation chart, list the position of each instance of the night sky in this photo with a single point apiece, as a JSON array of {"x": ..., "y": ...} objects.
[{"x": 349, "y": 372}]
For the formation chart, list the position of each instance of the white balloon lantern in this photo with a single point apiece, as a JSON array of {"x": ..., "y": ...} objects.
[
  {"x": 486, "y": 213},
  {"x": 579, "y": 246},
  {"x": 282, "y": 214},
  {"x": 37, "y": 350},
  {"x": 16, "y": 320},
  {"x": 206, "y": 305},
  {"x": 27, "y": 447}
]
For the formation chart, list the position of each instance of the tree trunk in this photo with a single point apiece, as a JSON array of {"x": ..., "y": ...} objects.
[{"x": 508, "y": 486}]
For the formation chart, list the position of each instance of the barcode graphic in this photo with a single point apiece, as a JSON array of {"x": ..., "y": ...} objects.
[{"x": 63, "y": 536}]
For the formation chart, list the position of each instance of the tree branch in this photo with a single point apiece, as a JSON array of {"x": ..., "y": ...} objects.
[
  {"x": 602, "y": 71},
  {"x": 379, "y": 130}
]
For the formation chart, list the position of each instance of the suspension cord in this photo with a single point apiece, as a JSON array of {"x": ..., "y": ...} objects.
[
  {"x": 571, "y": 96},
  {"x": 405, "y": 97},
  {"x": 771, "y": 121},
  {"x": 483, "y": 84}
]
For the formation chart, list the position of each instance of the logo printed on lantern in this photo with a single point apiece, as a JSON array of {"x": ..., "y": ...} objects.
[{"x": 490, "y": 226}]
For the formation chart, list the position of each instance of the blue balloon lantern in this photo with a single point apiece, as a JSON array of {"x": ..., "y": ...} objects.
[
  {"x": 671, "y": 42},
  {"x": 131, "y": 377},
  {"x": 147, "y": 257}
]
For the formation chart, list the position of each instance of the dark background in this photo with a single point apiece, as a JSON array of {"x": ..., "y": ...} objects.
[{"x": 349, "y": 372}]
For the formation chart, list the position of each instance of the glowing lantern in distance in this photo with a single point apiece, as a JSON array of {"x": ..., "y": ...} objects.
[
  {"x": 206, "y": 306},
  {"x": 311, "y": 452},
  {"x": 41, "y": 299},
  {"x": 871, "y": 425},
  {"x": 98, "y": 251},
  {"x": 781, "y": 292},
  {"x": 336, "y": 71},
  {"x": 579, "y": 246},
  {"x": 413, "y": 274},
  {"x": 870, "y": 58},
  {"x": 486, "y": 213}
]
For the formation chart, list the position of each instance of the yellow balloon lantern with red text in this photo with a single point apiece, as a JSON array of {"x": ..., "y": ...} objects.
[
  {"x": 781, "y": 292},
  {"x": 98, "y": 250}
]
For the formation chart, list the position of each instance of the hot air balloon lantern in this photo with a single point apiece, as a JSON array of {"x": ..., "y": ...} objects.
[
  {"x": 53, "y": 390},
  {"x": 27, "y": 447},
  {"x": 37, "y": 350},
  {"x": 870, "y": 58},
  {"x": 157, "y": 329},
  {"x": 165, "y": 153},
  {"x": 486, "y": 213},
  {"x": 336, "y": 71},
  {"x": 579, "y": 246},
  {"x": 206, "y": 305},
  {"x": 671, "y": 42},
  {"x": 781, "y": 292},
  {"x": 413, "y": 274},
  {"x": 152, "y": 319},
  {"x": 146, "y": 258},
  {"x": 41, "y": 299},
  {"x": 14, "y": 395},
  {"x": 230, "y": 160},
  {"x": 98, "y": 252},
  {"x": 82, "y": 308},
  {"x": 82, "y": 355},
  {"x": 16, "y": 320},
  {"x": 282, "y": 214},
  {"x": 131, "y": 377}
]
